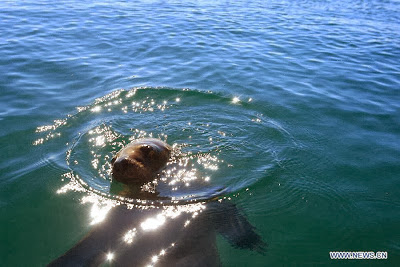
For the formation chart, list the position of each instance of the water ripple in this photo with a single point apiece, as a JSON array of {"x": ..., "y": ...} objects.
[{"x": 218, "y": 141}]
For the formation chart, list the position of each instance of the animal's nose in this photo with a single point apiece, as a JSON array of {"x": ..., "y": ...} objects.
[{"x": 120, "y": 164}]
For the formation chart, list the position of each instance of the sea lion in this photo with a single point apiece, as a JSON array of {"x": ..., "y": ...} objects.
[
  {"x": 140, "y": 161},
  {"x": 170, "y": 235}
]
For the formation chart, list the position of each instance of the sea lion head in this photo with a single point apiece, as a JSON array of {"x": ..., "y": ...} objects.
[{"x": 140, "y": 161}]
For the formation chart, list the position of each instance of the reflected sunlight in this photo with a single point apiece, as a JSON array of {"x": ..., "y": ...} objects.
[
  {"x": 98, "y": 214},
  {"x": 128, "y": 237},
  {"x": 100, "y": 140},
  {"x": 235, "y": 100},
  {"x": 110, "y": 256},
  {"x": 153, "y": 223},
  {"x": 154, "y": 258},
  {"x": 96, "y": 109}
]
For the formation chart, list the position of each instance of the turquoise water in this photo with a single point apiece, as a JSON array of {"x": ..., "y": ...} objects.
[{"x": 293, "y": 107}]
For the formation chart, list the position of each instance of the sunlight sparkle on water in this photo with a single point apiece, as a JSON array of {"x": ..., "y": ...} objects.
[
  {"x": 110, "y": 256},
  {"x": 98, "y": 213},
  {"x": 153, "y": 223},
  {"x": 100, "y": 140},
  {"x": 128, "y": 237},
  {"x": 154, "y": 259},
  {"x": 96, "y": 109}
]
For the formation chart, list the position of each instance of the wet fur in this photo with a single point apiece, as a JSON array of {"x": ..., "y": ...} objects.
[{"x": 140, "y": 161}]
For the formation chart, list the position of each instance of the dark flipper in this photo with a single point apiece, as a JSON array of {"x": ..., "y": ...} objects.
[{"x": 235, "y": 227}]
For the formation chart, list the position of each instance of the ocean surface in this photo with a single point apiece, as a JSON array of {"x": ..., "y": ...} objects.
[{"x": 291, "y": 109}]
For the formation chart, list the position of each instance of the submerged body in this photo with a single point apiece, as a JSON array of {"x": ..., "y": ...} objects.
[
  {"x": 171, "y": 235},
  {"x": 162, "y": 237}
]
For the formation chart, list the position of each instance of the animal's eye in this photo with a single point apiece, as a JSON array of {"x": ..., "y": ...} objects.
[{"x": 145, "y": 149}]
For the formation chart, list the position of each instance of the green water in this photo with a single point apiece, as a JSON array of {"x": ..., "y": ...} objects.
[{"x": 291, "y": 107}]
